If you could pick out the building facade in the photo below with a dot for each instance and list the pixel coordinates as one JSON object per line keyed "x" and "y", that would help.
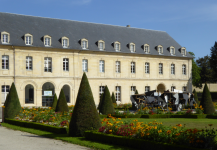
{"x": 43, "y": 55}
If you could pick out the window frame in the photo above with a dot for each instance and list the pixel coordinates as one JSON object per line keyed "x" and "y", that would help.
{"x": 102, "y": 66}
{"x": 160, "y": 66}
{"x": 29, "y": 63}
{"x": 172, "y": 50}
{"x": 117, "y": 67}
{"x": 103, "y": 45}
{"x": 132, "y": 90}
{"x": 47, "y": 69}
{"x": 2, "y": 37}
{"x": 184, "y": 88}
{"x": 63, "y": 39}
{"x": 119, "y": 47}
{"x": 148, "y": 50}
{"x": 147, "y": 87}
{"x": 65, "y": 64}
{"x": 184, "y": 69}
{"x": 147, "y": 67}
{"x": 118, "y": 93}
{"x": 30, "y": 40}
{"x": 134, "y": 47}
{"x": 47, "y": 41}
{"x": 82, "y": 43}
{"x": 183, "y": 49}
{"x": 101, "y": 90}
{"x": 133, "y": 67}
{"x": 173, "y": 69}
{"x": 5, "y": 62}
{"x": 160, "y": 51}
{"x": 172, "y": 88}
{"x": 84, "y": 65}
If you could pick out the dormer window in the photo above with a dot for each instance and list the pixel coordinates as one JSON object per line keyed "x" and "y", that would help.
{"x": 117, "y": 46}
{"x": 28, "y": 39}
{"x": 5, "y": 37}
{"x": 65, "y": 42}
{"x": 160, "y": 49}
{"x": 101, "y": 45}
{"x": 172, "y": 50}
{"x": 84, "y": 43}
{"x": 132, "y": 47}
{"x": 146, "y": 48}
{"x": 47, "y": 40}
{"x": 183, "y": 51}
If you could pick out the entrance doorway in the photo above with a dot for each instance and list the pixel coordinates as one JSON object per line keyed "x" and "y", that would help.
{"x": 48, "y": 92}
{"x": 29, "y": 94}
{"x": 161, "y": 88}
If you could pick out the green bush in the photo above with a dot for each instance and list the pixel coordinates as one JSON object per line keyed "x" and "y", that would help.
{"x": 12, "y": 104}
{"x": 39, "y": 126}
{"x": 85, "y": 116}
{"x": 113, "y": 98}
{"x": 196, "y": 97}
{"x": 107, "y": 106}
{"x": 206, "y": 101}
{"x": 54, "y": 105}
{"x": 100, "y": 101}
{"x": 62, "y": 103}
{"x": 136, "y": 92}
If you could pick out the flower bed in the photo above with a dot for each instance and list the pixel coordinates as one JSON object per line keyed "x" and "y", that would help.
{"x": 154, "y": 131}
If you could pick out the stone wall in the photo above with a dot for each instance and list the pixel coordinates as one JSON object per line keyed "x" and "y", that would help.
{"x": 212, "y": 87}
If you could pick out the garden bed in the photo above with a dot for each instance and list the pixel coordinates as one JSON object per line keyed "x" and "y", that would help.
{"x": 132, "y": 142}
{"x": 35, "y": 125}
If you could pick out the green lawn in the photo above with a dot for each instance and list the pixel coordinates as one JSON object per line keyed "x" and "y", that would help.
{"x": 189, "y": 122}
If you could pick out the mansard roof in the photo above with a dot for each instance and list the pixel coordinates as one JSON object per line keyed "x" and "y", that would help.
{"x": 19, "y": 25}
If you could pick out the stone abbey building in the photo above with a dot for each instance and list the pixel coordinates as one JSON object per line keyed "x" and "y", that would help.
{"x": 43, "y": 55}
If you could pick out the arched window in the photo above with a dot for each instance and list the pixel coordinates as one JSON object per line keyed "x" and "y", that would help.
{"x": 48, "y": 92}
{"x": 117, "y": 46}
{"x": 132, "y": 47}
{"x": 29, "y": 94}
{"x": 66, "y": 90}
{"x": 84, "y": 43}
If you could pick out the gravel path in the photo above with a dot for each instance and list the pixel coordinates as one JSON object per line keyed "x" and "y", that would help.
{"x": 17, "y": 140}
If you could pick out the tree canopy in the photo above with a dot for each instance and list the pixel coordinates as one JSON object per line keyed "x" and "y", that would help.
{"x": 213, "y": 60}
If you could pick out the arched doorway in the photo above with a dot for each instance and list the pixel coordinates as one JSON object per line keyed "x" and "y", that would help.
{"x": 48, "y": 92}
{"x": 161, "y": 88}
{"x": 29, "y": 94}
{"x": 66, "y": 90}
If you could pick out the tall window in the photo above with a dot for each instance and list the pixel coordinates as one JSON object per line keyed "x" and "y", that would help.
{"x": 172, "y": 68}
{"x": 160, "y": 50}
{"x": 172, "y": 51}
{"x": 147, "y": 67}
{"x": 184, "y": 88}
{"x": 101, "y": 46}
{"x": 47, "y": 64}
{"x": 132, "y": 48}
{"x": 28, "y": 63}
{"x": 5, "y": 91}
{"x": 147, "y": 88}
{"x": 172, "y": 88}
{"x": 47, "y": 41}
{"x": 183, "y": 52}
{"x": 5, "y": 62}
{"x": 101, "y": 66}
{"x": 65, "y": 43}
{"x": 118, "y": 67}
{"x": 101, "y": 90}
{"x": 133, "y": 90}
{"x": 84, "y": 44}
{"x": 133, "y": 67}
{"x": 65, "y": 64}
{"x": 160, "y": 68}
{"x": 146, "y": 48}
{"x": 28, "y": 40}
{"x": 85, "y": 65}
{"x": 5, "y": 38}
{"x": 118, "y": 93}
{"x": 184, "y": 69}
{"x": 117, "y": 46}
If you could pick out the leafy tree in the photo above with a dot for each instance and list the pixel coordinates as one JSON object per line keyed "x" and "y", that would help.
{"x": 195, "y": 96}
{"x": 113, "y": 98}
{"x": 196, "y": 79}
{"x": 206, "y": 101}
{"x": 107, "y": 106}
{"x": 84, "y": 116}
{"x": 12, "y": 104}
{"x": 54, "y": 105}
{"x": 136, "y": 92}
{"x": 213, "y": 60}
{"x": 206, "y": 72}
{"x": 62, "y": 103}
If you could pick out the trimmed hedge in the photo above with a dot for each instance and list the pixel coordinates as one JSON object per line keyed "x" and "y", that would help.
{"x": 35, "y": 125}
{"x": 131, "y": 142}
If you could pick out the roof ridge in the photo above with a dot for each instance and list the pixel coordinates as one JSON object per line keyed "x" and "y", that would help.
{"x": 81, "y": 21}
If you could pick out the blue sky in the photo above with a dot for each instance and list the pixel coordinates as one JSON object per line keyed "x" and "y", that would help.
{"x": 192, "y": 23}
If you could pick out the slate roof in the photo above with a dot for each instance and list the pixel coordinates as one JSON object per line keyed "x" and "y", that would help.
{"x": 19, "y": 25}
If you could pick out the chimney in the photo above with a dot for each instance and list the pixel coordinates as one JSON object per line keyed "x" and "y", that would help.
{"x": 128, "y": 26}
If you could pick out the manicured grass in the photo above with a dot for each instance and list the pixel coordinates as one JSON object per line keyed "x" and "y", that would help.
{"x": 189, "y": 122}
{"x": 64, "y": 137}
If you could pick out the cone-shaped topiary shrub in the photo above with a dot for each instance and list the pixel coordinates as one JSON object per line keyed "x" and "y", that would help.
{"x": 107, "y": 106}
{"x": 100, "y": 101}
{"x": 113, "y": 98}
{"x": 62, "y": 103}
{"x": 12, "y": 104}
{"x": 54, "y": 105}
{"x": 84, "y": 116}
{"x": 136, "y": 92}
{"x": 206, "y": 101}
{"x": 195, "y": 96}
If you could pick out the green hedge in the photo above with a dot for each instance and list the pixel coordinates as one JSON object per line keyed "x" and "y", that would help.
{"x": 131, "y": 142}
{"x": 35, "y": 125}
{"x": 127, "y": 116}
